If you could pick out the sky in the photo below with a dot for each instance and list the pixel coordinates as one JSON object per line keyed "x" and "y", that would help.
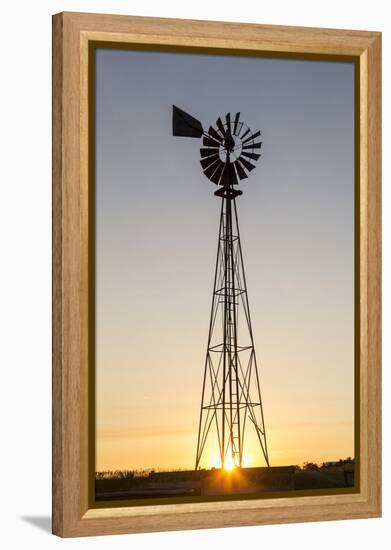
{"x": 156, "y": 235}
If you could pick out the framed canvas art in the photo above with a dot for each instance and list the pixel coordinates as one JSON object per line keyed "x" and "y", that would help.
{"x": 216, "y": 274}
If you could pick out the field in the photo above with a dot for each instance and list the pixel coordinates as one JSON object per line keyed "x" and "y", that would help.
{"x": 117, "y": 485}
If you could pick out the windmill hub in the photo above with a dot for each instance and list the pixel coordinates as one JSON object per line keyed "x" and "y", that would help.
{"x": 229, "y": 143}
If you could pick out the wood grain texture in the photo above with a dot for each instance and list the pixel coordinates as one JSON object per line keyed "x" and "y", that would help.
{"x": 222, "y": 34}
{"x": 71, "y": 35}
{"x": 373, "y": 271}
{"x": 57, "y": 370}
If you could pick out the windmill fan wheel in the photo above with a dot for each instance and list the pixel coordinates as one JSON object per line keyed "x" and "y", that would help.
{"x": 229, "y": 151}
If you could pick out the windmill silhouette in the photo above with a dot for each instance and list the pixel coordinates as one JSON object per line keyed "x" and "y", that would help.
{"x": 231, "y": 391}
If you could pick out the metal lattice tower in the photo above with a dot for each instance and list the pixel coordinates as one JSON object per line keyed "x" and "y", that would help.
{"x": 231, "y": 393}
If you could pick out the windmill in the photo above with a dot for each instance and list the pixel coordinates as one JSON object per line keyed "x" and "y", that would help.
{"x": 231, "y": 392}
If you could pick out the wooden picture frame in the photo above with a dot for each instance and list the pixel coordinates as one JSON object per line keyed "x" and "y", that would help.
{"x": 72, "y": 35}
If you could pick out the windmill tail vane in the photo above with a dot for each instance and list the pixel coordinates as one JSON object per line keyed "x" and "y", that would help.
{"x": 231, "y": 402}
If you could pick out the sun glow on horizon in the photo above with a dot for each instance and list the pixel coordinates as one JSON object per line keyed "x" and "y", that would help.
{"x": 230, "y": 463}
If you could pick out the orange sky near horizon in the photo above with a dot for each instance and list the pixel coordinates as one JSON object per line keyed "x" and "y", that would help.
{"x": 289, "y": 445}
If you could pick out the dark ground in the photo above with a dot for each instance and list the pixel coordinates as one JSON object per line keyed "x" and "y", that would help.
{"x": 138, "y": 485}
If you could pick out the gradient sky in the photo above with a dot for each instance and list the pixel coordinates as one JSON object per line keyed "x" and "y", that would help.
{"x": 156, "y": 234}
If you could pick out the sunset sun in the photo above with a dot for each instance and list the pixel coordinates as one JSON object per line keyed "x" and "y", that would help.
{"x": 229, "y": 464}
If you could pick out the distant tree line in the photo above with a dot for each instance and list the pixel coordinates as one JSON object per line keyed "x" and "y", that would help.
{"x": 313, "y": 466}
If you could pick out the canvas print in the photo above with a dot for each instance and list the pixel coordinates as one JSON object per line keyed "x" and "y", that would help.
{"x": 224, "y": 276}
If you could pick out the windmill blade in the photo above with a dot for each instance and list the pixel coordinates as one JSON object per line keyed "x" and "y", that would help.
{"x": 228, "y": 119}
{"x": 245, "y": 133}
{"x": 246, "y": 164}
{"x": 253, "y": 146}
{"x": 240, "y": 171}
{"x": 217, "y": 174}
{"x": 210, "y": 142}
{"x": 212, "y": 133}
{"x": 252, "y": 137}
{"x": 207, "y": 151}
{"x": 212, "y": 168}
{"x": 233, "y": 179}
{"x": 220, "y": 126}
{"x": 236, "y": 123}
{"x": 253, "y": 156}
{"x": 206, "y": 162}
{"x": 184, "y": 125}
{"x": 229, "y": 176}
